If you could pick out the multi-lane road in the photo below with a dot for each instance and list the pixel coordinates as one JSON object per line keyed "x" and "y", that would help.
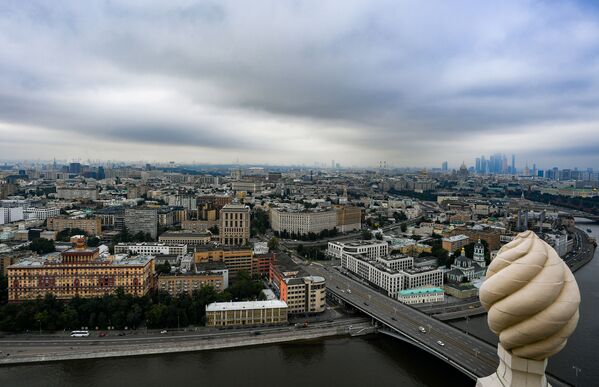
{"x": 444, "y": 341}
{"x": 473, "y": 356}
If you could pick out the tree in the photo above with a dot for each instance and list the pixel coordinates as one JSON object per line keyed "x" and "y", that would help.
{"x": 66, "y": 234}
{"x": 273, "y": 243}
{"x": 403, "y": 227}
{"x": 366, "y": 235}
{"x": 214, "y": 230}
{"x": 93, "y": 242}
{"x": 3, "y": 289}
{"x": 42, "y": 246}
{"x": 164, "y": 268}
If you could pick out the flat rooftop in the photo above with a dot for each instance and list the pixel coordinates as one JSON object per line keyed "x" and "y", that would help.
{"x": 245, "y": 305}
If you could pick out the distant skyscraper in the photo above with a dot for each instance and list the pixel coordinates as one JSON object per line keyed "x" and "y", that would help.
{"x": 75, "y": 168}
{"x": 477, "y": 168}
{"x": 513, "y": 164}
{"x": 444, "y": 166}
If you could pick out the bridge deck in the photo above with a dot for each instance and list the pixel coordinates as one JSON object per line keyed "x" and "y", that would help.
{"x": 471, "y": 355}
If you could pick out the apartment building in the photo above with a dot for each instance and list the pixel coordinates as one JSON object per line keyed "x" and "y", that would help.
{"x": 91, "y": 226}
{"x": 372, "y": 249}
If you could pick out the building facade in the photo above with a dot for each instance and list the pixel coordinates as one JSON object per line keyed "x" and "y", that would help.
{"x": 150, "y": 249}
{"x": 302, "y": 222}
{"x": 304, "y": 294}
{"x": 246, "y": 313}
{"x": 142, "y": 220}
{"x": 234, "y": 229}
{"x": 79, "y": 272}
{"x": 187, "y": 238}
{"x": 92, "y": 226}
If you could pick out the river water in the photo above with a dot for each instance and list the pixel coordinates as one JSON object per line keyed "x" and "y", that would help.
{"x": 582, "y": 350}
{"x": 367, "y": 361}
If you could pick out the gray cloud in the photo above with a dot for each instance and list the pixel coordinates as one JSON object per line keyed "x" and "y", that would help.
{"x": 355, "y": 80}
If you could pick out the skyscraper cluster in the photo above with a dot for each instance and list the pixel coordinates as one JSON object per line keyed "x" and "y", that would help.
{"x": 496, "y": 164}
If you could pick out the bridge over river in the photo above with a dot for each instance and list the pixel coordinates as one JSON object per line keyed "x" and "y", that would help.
{"x": 467, "y": 353}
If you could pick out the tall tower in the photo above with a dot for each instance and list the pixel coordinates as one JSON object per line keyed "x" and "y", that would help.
{"x": 479, "y": 254}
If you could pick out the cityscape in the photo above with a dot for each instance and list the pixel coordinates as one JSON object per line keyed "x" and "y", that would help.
{"x": 353, "y": 194}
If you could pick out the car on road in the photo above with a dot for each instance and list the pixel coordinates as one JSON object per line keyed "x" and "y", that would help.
{"x": 421, "y": 329}
{"x": 102, "y": 334}
{"x": 122, "y": 334}
{"x": 162, "y": 332}
{"x": 393, "y": 318}
{"x": 365, "y": 303}
{"x": 349, "y": 291}
{"x": 442, "y": 344}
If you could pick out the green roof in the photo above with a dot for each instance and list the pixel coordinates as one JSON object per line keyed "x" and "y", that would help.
{"x": 412, "y": 292}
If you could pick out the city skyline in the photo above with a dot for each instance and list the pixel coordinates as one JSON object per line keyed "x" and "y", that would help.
{"x": 294, "y": 83}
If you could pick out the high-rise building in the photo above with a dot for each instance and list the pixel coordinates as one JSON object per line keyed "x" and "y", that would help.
{"x": 513, "y": 164}
{"x": 142, "y": 220}
{"x": 234, "y": 224}
{"x": 75, "y": 168}
{"x": 478, "y": 165}
{"x": 444, "y": 166}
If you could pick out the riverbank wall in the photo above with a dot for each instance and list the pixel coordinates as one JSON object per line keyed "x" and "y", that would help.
{"x": 67, "y": 353}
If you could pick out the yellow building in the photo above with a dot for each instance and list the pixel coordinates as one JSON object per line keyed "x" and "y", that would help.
{"x": 236, "y": 259}
{"x": 92, "y": 226}
{"x": 79, "y": 271}
{"x": 213, "y": 275}
{"x": 246, "y": 313}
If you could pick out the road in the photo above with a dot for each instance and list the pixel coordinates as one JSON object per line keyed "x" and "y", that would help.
{"x": 582, "y": 251}
{"x": 476, "y": 356}
{"x": 27, "y": 346}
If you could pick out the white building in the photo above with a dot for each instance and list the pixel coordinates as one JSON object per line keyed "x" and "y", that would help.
{"x": 302, "y": 222}
{"x": 40, "y": 213}
{"x": 11, "y": 214}
{"x": 372, "y": 249}
{"x": 150, "y": 248}
{"x": 391, "y": 273}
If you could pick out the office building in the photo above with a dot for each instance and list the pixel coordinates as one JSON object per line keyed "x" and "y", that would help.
{"x": 77, "y": 193}
{"x": 246, "y": 313}
{"x": 185, "y": 237}
{"x": 186, "y": 281}
{"x": 150, "y": 249}
{"x": 372, "y": 249}
{"x": 143, "y": 219}
{"x": 349, "y": 218}
{"x": 302, "y": 222}
{"x": 91, "y": 226}
{"x": 234, "y": 229}
{"x": 304, "y": 294}
{"x": 79, "y": 272}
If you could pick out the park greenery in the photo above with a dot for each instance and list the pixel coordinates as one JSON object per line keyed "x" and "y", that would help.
{"x": 158, "y": 309}
{"x": 312, "y": 252}
{"x": 309, "y": 236}
{"x": 259, "y": 223}
{"x": 42, "y": 246}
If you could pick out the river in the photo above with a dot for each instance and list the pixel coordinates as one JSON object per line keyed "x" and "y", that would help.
{"x": 366, "y": 361}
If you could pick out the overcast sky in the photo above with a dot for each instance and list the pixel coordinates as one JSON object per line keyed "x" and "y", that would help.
{"x": 410, "y": 82}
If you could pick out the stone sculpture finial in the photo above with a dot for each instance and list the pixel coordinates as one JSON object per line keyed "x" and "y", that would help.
{"x": 532, "y": 300}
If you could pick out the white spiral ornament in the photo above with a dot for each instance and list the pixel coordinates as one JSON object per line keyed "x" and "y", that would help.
{"x": 532, "y": 298}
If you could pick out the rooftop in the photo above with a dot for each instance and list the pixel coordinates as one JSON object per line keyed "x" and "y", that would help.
{"x": 245, "y": 305}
